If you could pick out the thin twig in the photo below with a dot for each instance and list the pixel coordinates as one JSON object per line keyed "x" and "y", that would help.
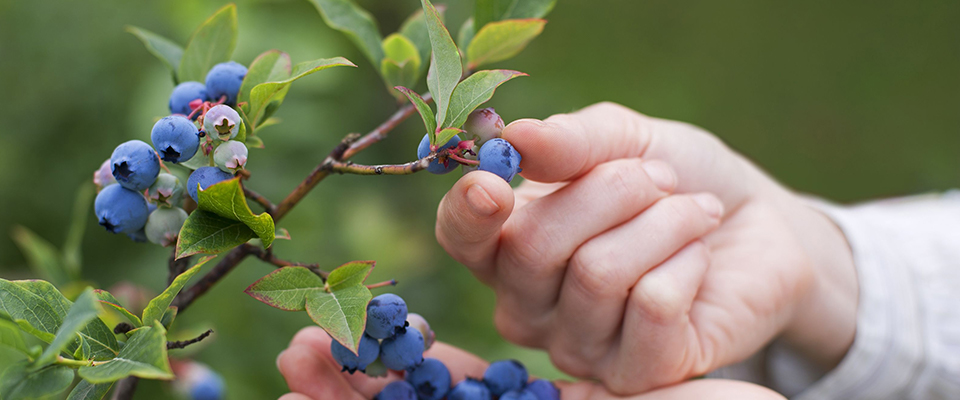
{"x": 259, "y": 199}
{"x": 226, "y": 264}
{"x": 180, "y": 344}
{"x": 175, "y": 266}
{"x": 393, "y": 169}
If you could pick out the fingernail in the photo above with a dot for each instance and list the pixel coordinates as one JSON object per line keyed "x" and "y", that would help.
{"x": 480, "y": 202}
{"x": 661, "y": 174}
{"x": 709, "y": 203}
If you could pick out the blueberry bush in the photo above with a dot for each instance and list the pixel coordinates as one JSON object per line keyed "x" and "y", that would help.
{"x": 187, "y": 188}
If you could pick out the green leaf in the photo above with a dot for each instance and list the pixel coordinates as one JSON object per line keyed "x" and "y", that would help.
{"x": 78, "y": 224}
{"x": 429, "y": 121}
{"x": 355, "y": 22}
{"x": 350, "y": 274}
{"x": 446, "y": 134}
{"x": 33, "y": 313}
{"x": 164, "y": 49}
{"x": 272, "y": 65}
{"x": 43, "y": 258}
{"x": 212, "y": 43}
{"x": 226, "y": 199}
{"x": 486, "y": 11}
{"x": 445, "y": 65}
{"x": 209, "y": 233}
{"x": 465, "y": 36}
{"x": 107, "y": 299}
{"x": 263, "y": 94}
{"x": 401, "y": 64}
{"x": 415, "y": 29}
{"x": 10, "y": 337}
{"x": 89, "y": 391}
{"x": 474, "y": 91}
{"x": 81, "y": 313}
{"x": 342, "y": 313}
{"x": 144, "y": 356}
{"x": 19, "y": 381}
{"x": 286, "y": 288}
{"x": 255, "y": 141}
{"x": 168, "y": 316}
{"x": 158, "y": 305}
{"x": 499, "y": 41}
{"x": 399, "y": 48}
{"x": 395, "y": 74}
{"x": 530, "y": 9}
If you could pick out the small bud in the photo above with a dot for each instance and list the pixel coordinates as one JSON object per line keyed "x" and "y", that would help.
{"x": 166, "y": 191}
{"x": 222, "y": 122}
{"x": 103, "y": 176}
{"x": 483, "y": 124}
{"x": 230, "y": 156}
{"x": 163, "y": 225}
{"x": 416, "y": 321}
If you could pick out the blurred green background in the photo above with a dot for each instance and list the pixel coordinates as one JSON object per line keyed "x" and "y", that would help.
{"x": 847, "y": 100}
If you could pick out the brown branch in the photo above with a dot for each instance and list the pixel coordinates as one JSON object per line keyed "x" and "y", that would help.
{"x": 175, "y": 266}
{"x": 268, "y": 257}
{"x": 180, "y": 344}
{"x": 226, "y": 264}
{"x": 259, "y": 199}
{"x": 394, "y": 169}
{"x": 125, "y": 388}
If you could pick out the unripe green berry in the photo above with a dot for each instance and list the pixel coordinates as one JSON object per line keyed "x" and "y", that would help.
{"x": 230, "y": 156}
{"x": 166, "y": 191}
{"x": 163, "y": 225}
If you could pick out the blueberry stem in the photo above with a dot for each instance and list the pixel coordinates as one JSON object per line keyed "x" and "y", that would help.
{"x": 392, "y": 282}
{"x": 462, "y": 160}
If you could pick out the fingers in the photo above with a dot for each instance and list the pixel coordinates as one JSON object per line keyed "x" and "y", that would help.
{"x": 469, "y": 219}
{"x": 603, "y": 270}
{"x": 461, "y": 363}
{"x": 538, "y": 239}
{"x": 313, "y": 374}
{"x": 701, "y": 389}
{"x": 294, "y": 396}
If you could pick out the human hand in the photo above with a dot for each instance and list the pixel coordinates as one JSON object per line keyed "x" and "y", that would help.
{"x": 312, "y": 374}
{"x": 641, "y": 252}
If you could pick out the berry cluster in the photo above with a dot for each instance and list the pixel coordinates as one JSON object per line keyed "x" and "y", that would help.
{"x": 139, "y": 200}
{"x": 388, "y": 336}
{"x": 492, "y": 154}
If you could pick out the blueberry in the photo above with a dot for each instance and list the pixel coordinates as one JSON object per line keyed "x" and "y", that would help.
{"x": 470, "y": 389}
{"x": 204, "y": 177}
{"x": 224, "y": 79}
{"x": 230, "y": 156}
{"x": 419, "y": 323}
{"x": 163, "y": 225}
{"x": 134, "y": 165}
{"x": 543, "y": 389}
{"x": 184, "y": 94}
{"x": 369, "y": 349}
{"x": 437, "y": 167}
{"x": 103, "y": 176}
{"x": 222, "y": 122}
{"x": 397, "y": 390}
{"x": 402, "y": 351}
{"x": 518, "y": 395}
{"x": 504, "y": 376}
{"x": 138, "y": 236}
{"x": 483, "y": 125}
{"x": 208, "y": 387}
{"x": 121, "y": 210}
{"x": 166, "y": 190}
{"x": 431, "y": 379}
{"x": 499, "y": 157}
{"x": 386, "y": 316}
{"x": 175, "y": 138}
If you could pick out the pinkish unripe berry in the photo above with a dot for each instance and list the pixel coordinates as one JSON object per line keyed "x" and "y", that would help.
{"x": 482, "y": 125}
{"x": 165, "y": 191}
{"x": 103, "y": 176}
{"x": 230, "y": 156}
{"x": 222, "y": 122}
{"x": 416, "y": 321}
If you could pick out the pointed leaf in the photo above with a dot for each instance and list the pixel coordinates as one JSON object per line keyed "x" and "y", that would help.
{"x": 401, "y": 63}
{"x": 415, "y": 29}
{"x": 108, "y": 300}
{"x": 263, "y": 94}
{"x": 286, "y": 288}
{"x": 78, "y": 224}
{"x": 19, "y": 381}
{"x": 446, "y": 134}
{"x": 445, "y": 65}
{"x": 89, "y": 391}
{"x": 168, "y": 316}
{"x": 429, "y": 120}
{"x": 144, "y": 356}
{"x": 350, "y": 274}
{"x": 207, "y": 233}
{"x": 43, "y": 258}
{"x": 474, "y": 91}
{"x": 226, "y": 199}
{"x": 341, "y": 313}
{"x": 355, "y": 22}
{"x": 272, "y": 65}
{"x": 158, "y": 305}
{"x": 487, "y": 11}
{"x": 33, "y": 313}
{"x": 499, "y": 41}
{"x": 83, "y": 311}
{"x": 212, "y": 43}
{"x": 164, "y": 49}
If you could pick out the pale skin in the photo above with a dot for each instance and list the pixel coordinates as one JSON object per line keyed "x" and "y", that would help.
{"x": 638, "y": 253}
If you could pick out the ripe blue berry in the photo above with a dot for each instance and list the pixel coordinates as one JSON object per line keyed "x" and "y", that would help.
{"x": 402, "y": 351}
{"x": 483, "y": 125}
{"x": 518, "y": 395}
{"x": 397, "y": 390}
{"x": 166, "y": 190}
{"x": 134, "y": 165}
{"x": 499, "y": 157}
{"x": 437, "y": 167}
{"x": 470, "y": 389}
{"x": 386, "y": 316}
{"x": 431, "y": 379}
{"x": 543, "y": 389}
{"x": 204, "y": 177}
{"x": 504, "y": 376}
{"x": 230, "y": 156}
{"x": 224, "y": 79}
{"x": 163, "y": 225}
{"x": 175, "y": 138}
{"x": 103, "y": 176}
{"x": 185, "y": 93}
{"x": 210, "y": 387}
{"x": 121, "y": 210}
{"x": 369, "y": 349}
